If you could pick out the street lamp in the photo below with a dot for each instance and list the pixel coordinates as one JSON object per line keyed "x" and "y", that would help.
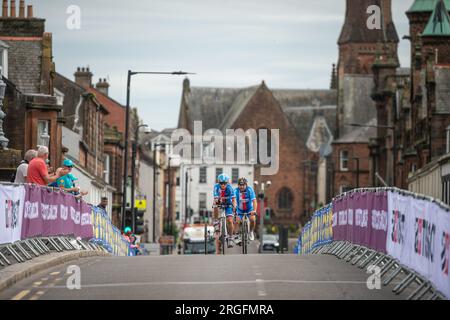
{"x": 261, "y": 196}
{"x": 154, "y": 188}
{"x": 133, "y": 171}
{"x": 127, "y": 125}
{"x": 3, "y": 140}
{"x": 394, "y": 144}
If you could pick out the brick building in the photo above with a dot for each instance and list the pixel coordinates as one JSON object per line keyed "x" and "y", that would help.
{"x": 33, "y": 116}
{"x": 305, "y": 119}
{"x": 416, "y": 105}
{"x": 357, "y": 113}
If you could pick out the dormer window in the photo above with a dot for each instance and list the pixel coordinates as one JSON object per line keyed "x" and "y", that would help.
{"x": 4, "y": 59}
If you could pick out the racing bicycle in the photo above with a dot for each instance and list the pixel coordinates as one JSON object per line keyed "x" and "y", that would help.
{"x": 223, "y": 238}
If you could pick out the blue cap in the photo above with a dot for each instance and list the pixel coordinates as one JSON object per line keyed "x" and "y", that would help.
{"x": 68, "y": 163}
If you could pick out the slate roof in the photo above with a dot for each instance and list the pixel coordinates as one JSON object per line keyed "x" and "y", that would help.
{"x": 24, "y": 64}
{"x": 360, "y": 134}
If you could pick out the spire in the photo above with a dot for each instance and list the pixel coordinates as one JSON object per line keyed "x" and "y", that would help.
{"x": 333, "y": 84}
{"x": 425, "y": 6}
{"x": 439, "y": 23}
{"x": 355, "y": 26}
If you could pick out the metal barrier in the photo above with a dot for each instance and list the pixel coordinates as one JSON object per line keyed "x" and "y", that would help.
{"x": 28, "y": 249}
{"x": 390, "y": 269}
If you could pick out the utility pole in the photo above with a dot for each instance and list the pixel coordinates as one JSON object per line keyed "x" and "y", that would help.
{"x": 357, "y": 172}
{"x": 261, "y": 197}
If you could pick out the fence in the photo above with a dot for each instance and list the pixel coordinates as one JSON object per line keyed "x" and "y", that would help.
{"x": 49, "y": 218}
{"x": 391, "y": 228}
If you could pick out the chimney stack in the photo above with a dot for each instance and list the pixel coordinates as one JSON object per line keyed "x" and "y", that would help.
{"x": 13, "y": 9}
{"x": 5, "y": 9}
{"x": 83, "y": 77}
{"x": 22, "y": 9}
{"x": 30, "y": 12}
{"x": 102, "y": 86}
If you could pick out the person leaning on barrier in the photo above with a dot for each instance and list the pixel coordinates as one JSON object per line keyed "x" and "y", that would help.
{"x": 103, "y": 204}
{"x": 38, "y": 172}
{"x": 22, "y": 169}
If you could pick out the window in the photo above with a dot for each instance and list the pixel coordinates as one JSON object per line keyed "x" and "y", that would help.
{"x": 235, "y": 175}
{"x": 448, "y": 140}
{"x": 203, "y": 176}
{"x": 343, "y": 160}
{"x": 285, "y": 199}
{"x": 219, "y": 171}
{"x": 4, "y": 59}
{"x": 202, "y": 201}
{"x": 107, "y": 169}
{"x": 43, "y": 134}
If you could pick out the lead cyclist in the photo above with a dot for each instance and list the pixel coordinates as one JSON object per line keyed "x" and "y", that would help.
{"x": 224, "y": 195}
{"x": 246, "y": 203}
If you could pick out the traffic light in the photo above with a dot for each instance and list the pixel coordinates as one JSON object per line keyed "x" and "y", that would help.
{"x": 128, "y": 218}
{"x": 267, "y": 213}
{"x": 139, "y": 222}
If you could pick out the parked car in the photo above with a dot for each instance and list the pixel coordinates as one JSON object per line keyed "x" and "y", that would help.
{"x": 270, "y": 243}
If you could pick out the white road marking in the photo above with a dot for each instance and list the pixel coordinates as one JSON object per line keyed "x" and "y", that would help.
{"x": 260, "y": 287}
{"x": 207, "y": 283}
{"x": 55, "y": 273}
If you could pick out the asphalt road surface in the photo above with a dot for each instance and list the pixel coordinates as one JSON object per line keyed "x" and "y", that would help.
{"x": 229, "y": 277}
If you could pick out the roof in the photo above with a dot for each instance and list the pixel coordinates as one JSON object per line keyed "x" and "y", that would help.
{"x": 426, "y": 5}
{"x": 360, "y": 134}
{"x": 24, "y": 64}
{"x": 439, "y": 23}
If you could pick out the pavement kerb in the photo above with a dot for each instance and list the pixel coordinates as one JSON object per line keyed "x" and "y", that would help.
{"x": 17, "y": 272}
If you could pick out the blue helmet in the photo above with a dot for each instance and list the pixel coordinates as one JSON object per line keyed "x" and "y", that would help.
{"x": 223, "y": 178}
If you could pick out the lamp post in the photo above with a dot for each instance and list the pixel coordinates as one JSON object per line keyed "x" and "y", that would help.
{"x": 154, "y": 190}
{"x": 169, "y": 211}
{"x": 394, "y": 144}
{"x": 3, "y": 140}
{"x": 261, "y": 197}
{"x": 127, "y": 126}
{"x": 133, "y": 172}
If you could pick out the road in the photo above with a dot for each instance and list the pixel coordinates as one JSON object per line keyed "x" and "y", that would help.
{"x": 228, "y": 277}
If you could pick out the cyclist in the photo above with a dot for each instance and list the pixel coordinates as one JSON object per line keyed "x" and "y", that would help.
{"x": 246, "y": 203}
{"x": 224, "y": 195}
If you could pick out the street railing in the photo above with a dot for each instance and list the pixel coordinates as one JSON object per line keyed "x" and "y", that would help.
{"x": 36, "y": 220}
{"x": 393, "y": 229}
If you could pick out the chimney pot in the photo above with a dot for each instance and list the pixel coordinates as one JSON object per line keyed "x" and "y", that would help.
{"x": 30, "y": 12}
{"x": 22, "y": 9}
{"x": 13, "y": 9}
{"x": 5, "y": 9}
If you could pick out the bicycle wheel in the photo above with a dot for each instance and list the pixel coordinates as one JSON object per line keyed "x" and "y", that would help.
{"x": 222, "y": 235}
{"x": 244, "y": 236}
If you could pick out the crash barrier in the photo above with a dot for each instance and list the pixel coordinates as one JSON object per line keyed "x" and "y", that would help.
{"x": 395, "y": 229}
{"x": 35, "y": 212}
{"x": 318, "y": 231}
{"x": 108, "y": 235}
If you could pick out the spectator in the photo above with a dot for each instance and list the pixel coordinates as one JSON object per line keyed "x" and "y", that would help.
{"x": 104, "y": 203}
{"x": 67, "y": 182}
{"x": 22, "y": 169}
{"x": 38, "y": 172}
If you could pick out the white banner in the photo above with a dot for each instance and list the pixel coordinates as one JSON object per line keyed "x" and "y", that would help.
{"x": 418, "y": 236}
{"x": 11, "y": 208}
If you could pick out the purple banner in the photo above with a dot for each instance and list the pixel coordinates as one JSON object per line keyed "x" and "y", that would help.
{"x": 53, "y": 213}
{"x": 361, "y": 218}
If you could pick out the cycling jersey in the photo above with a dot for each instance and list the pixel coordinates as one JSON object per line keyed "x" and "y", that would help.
{"x": 245, "y": 200}
{"x": 225, "y": 197}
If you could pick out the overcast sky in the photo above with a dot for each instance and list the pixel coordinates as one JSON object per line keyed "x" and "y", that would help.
{"x": 228, "y": 43}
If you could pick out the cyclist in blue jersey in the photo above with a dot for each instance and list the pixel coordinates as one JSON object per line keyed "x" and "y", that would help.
{"x": 246, "y": 203}
{"x": 224, "y": 195}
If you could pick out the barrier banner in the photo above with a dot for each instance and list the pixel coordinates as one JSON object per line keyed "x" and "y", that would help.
{"x": 107, "y": 235}
{"x": 11, "y": 207}
{"x": 419, "y": 237}
{"x": 361, "y": 218}
{"x": 318, "y": 231}
{"x": 53, "y": 213}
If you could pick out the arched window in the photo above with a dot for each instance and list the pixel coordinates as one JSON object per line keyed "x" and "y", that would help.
{"x": 285, "y": 199}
